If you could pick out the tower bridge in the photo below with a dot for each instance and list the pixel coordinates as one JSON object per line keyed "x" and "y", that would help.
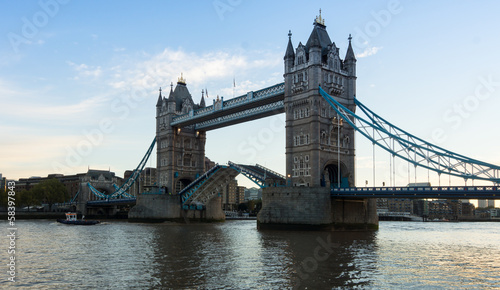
{"x": 320, "y": 150}
{"x": 318, "y": 188}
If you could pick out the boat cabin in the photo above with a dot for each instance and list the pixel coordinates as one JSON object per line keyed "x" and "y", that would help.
{"x": 71, "y": 216}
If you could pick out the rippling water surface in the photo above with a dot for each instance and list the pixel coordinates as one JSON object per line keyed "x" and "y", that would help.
{"x": 235, "y": 255}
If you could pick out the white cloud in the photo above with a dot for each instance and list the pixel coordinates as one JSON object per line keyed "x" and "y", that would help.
{"x": 213, "y": 69}
{"x": 85, "y": 70}
{"x": 369, "y": 51}
{"x": 38, "y": 109}
{"x": 120, "y": 81}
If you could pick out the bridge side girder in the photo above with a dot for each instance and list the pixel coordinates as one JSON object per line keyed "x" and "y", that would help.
{"x": 242, "y": 116}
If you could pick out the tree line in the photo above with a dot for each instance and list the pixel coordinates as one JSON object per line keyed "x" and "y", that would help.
{"x": 49, "y": 191}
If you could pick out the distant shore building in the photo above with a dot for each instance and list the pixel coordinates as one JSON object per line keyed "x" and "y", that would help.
{"x": 147, "y": 181}
{"x": 253, "y": 193}
{"x": 73, "y": 183}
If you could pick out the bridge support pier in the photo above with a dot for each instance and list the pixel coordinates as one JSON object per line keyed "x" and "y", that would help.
{"x": 312, "y": 208}
{"x": 164, "y": 207}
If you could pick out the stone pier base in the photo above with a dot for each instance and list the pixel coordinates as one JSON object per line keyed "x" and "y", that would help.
{"x": 163, "y": 207}
{"x": 312, "y": 208}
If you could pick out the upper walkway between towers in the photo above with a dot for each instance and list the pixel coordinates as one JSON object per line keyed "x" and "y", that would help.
{"x": 253, "y": 105}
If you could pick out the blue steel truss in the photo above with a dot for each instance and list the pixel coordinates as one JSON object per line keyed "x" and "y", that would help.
{"x": 253, "y": 105}
{"x": 189, "y": 190}
{"x": 99, "y": 194}
{"x": 123, "y": 194}
{"x": 74, "y": 197}
{"x": 255, "y": 177}
{"x": 411, "y": 148}
{"x": 122, "y": 191}
{"x": 130, "y": 181}
{"x": 242, "y": 116}
{"x": 257, "y": 174}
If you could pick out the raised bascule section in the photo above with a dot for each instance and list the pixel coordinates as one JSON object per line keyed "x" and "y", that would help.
{"x": 200, "y": 191}
{"x": 318, "y": 97}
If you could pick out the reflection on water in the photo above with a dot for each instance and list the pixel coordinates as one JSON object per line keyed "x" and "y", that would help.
{"x": 234, "y": 254}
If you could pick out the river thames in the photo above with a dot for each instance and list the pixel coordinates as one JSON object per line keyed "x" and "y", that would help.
{"x": 235, "y": 255}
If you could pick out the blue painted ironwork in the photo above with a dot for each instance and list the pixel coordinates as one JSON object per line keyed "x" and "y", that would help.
{"x": 192, "y": 198}
{"x": 131, "y": 180}
{"x": 112, "y": 201}
{"x": 153, "y": 192}
{"x": 448, "y": 192}
{"x": 257, "y": 174}
{"x": 189, "y": 190}
{"x": 97, "y": 192}
{"x": 255, "y": 177}
{"x": 411, "y": 148}
{"x": 242, "y": 116}
{"x": 253, "y": 105}
{"x": 74, "y": 197}
{"x": 122, "y": 191}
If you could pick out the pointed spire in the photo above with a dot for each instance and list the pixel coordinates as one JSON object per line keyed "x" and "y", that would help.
{"x": 202, "y": 102}
{"x": 350, "y": 52}
{"x": 171, "y": 95}
{"x": 160, "y": 100}
{"x": 319, "y": 37}
{"x": 290, "y": 53}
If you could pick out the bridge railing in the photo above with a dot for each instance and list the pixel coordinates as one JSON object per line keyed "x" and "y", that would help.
{"x": 271, "y": 171}
{"x": 490, "y": 192}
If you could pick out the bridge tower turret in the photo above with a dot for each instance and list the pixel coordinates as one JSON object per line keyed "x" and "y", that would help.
{"x": 180, "y": 151}
{"x": 319, "y": 147}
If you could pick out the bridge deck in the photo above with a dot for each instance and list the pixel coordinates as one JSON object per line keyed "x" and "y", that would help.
{"x": 445, "y": 192}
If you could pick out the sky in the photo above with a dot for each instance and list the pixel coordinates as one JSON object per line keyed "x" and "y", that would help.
{"x": 79, "y": 80}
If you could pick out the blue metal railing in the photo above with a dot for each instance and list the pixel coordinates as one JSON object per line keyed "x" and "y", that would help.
{"x": 455, "y": 192}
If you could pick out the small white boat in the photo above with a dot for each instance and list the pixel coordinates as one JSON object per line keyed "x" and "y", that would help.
{"x": 71, "y": 219}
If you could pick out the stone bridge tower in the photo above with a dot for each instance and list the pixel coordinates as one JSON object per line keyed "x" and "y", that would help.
{"x": 180, "y": 154}
{"x": 180, "y": 151}
{"x": 319, "y": 147}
